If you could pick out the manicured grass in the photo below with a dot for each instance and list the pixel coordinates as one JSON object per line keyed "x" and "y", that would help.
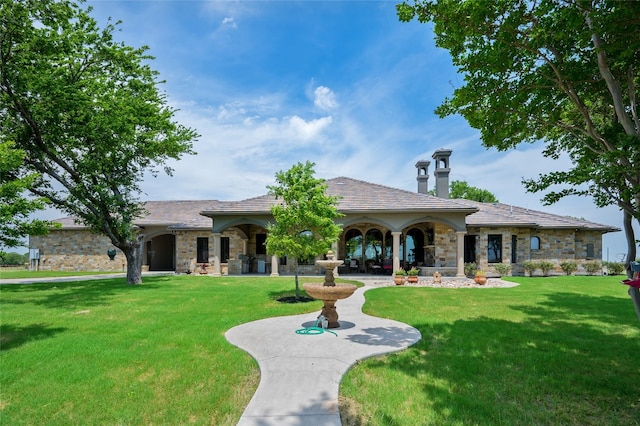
{"x": 8, "y": 274}
{"x": 551, "y": 351}
{"x": 560, "y": 350}
{"x": 102, "y": 352}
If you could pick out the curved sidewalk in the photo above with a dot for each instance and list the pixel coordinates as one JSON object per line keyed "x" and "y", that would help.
{"x": 300, "y": 374}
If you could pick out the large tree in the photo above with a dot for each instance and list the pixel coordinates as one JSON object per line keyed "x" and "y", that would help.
{"x": 88, "y": 113}
{"x": 565, "y": 72}
{"x": 304, "y": 216}
{"x": 16, "y": 207}
{"x": 461, "y": 189}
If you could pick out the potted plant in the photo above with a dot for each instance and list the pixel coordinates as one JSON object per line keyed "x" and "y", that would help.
{"x": 399, "y": 276}
{"x": 480, "y": 277}
{"x": 413, "y": 275}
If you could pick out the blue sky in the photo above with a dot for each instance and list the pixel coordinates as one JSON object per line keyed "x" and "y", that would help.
{"x": 343, "y": 84}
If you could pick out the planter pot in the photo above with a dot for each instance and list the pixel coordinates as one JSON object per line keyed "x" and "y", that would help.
{"x": 480, "y": 280}
{"x": 412, "y": 278}
{"x": 398, "y": 279}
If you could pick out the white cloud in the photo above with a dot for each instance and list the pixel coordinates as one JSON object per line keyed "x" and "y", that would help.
{"x": 229, "y": 22}
{"x": 307, "y": 130}
{"x": 325, "y": 99}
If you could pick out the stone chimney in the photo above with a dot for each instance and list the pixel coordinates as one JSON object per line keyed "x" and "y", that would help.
{"x": 423, "y": 176}
{"x": 441, "y": 156}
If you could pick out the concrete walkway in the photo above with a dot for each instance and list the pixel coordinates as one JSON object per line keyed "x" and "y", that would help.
{"x": 74, "y": 278}
{"x": 300, "y": 374}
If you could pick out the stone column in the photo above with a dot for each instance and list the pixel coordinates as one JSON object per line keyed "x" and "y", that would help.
{"x": 274, "y": 266}
{"x": 460, "y": 253}
{"x": 396, "y": 250}
{"x": 334, "y": 248}
{"x": 216, "y": 254}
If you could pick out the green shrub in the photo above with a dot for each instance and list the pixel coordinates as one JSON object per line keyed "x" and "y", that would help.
{"x": 592, "y": 267}
{"x": 569, "y": 267}
{"x": 615, "y": 268}
{"x": 545, "y": 267}
{"x": 470, "y": 269}
{"x": 413, "y": 271}
{"x": 530, "y": 267}
{"x": 502, "y": 268}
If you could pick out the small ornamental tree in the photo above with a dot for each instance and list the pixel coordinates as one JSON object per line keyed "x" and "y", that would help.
{"x": 304, "y": 216}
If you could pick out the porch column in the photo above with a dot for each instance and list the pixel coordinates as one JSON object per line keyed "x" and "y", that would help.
{"x": 216, "y": 254}
{"x": 396, "y": 250}
{"x": 274, "y": 266}
{"x": 334, "y": 249}
{"x": 460, "y": 253}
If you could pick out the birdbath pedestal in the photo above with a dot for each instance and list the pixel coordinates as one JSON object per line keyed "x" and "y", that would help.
{"x": 329, "y": 292}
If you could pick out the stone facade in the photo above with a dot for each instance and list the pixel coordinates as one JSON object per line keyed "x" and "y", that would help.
{"x": 556, "y": 246}
{"x": 76, "y": 250}
{"x": 80, "y": 250}
{"x": 445, "y": 240}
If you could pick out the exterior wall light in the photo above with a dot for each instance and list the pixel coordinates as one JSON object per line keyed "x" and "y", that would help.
{"x": 111, "y": 253}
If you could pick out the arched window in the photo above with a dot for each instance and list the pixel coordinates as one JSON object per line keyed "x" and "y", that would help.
{"x": 353, "y": 245}
{"x": 373, "y": 246}
{"x": 535, "y": 243}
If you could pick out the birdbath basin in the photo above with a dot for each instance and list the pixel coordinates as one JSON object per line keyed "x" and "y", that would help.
{"x": 329, "y": 292}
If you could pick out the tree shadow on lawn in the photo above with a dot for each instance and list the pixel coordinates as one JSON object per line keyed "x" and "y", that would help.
{"x": 559, "y": 365}
{"x": 12, "y": 336}
{"x": 74, "y": 293}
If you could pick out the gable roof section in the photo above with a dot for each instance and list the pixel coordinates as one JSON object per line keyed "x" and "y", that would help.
{"x": 355, "y": 196}
{"x": 498, "y": 214}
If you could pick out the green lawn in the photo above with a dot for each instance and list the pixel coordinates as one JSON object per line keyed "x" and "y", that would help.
{"x": 551, "y": 351}
{"x": 102, "y": 352}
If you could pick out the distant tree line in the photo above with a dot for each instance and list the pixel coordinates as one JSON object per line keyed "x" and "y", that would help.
{"x": 13, "y": 258}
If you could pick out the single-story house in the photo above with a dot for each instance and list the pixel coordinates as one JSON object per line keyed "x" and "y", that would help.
{"x": 384, "y": 229}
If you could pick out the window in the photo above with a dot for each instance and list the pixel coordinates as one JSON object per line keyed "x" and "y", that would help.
{"x": 224, "y": 249}
{"x": 202, "y": 244}
{"x": 589, "y": 251}
{"x": 494, "y": 248}
{"x": 260, "y": 240}
{"x": 514, "y": 249}
{"x": 535, "y": 243}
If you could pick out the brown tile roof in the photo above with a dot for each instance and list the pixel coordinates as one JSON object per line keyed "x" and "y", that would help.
{"x": 498, "y": 214}
{"x": 357, "y": 196}
{"x": 173, "y": 214}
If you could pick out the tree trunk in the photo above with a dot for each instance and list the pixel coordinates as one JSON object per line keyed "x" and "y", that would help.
{"x": 296, "y": 275}
{"x": 631, "y": 241}
{"x": 133, "y": 253}
{"x": 631, "y": 256}
{"x": 634, "y": 292}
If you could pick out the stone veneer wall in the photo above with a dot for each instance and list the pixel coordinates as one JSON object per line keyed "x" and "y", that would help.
{"x": 76, "y": 250}
{"x": 556, "y": 246}
{"x": 446, "y": 245}
{"x": 81, "y": 250}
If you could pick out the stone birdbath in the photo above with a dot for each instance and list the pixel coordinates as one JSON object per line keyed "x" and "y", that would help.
{"x": 329, "y": 292}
